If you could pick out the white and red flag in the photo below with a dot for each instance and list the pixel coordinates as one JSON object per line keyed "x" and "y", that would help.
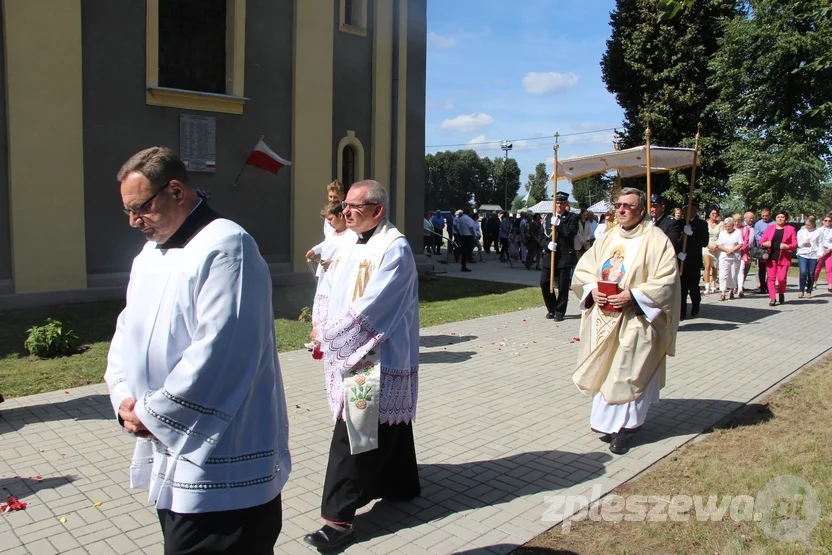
{"x": 265, "y": 158}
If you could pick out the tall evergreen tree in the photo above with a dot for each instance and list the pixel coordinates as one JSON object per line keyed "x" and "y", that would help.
{"x": 659, "y": 73}
{"x": 773, "y": 71}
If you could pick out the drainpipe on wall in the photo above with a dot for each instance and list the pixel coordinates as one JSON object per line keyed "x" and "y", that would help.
{"x": 394, "y": 127}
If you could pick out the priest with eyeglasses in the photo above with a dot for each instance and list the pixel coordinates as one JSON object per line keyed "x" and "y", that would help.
{"x": 369, "y": 339}
{"x": 193, "y": 371}
{"x": 628, "y": 283}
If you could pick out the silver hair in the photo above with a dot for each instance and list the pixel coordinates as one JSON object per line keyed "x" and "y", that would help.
{"x": 376, "y": 194}
{"x": 642, "y": 196}
{"x": 728, "y": 220}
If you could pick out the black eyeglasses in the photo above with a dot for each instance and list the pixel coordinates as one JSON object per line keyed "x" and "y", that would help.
{"x": 143, "y": 207}
{"x": 353, "y": 206}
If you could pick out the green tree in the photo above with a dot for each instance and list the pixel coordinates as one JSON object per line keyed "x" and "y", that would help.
{"x": 506, "y": 181}
{"x": 536, "y": 184}
{"x": 773, "y": 75}
{"x": 454, "y": 179}
{"x": 659, "y": 73}
{"x": 518, "y": 203}
{"x": 589, "y": 190}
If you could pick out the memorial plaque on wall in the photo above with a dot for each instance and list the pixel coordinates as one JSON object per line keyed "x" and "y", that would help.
{"x": 198, "y": 142}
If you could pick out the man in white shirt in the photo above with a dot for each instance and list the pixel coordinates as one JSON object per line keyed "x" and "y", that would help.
{"x": 193, "y": 371}
{"x": 467, "y": 232}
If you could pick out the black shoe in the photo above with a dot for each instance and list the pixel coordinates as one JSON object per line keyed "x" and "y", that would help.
{"x": 550, "y": 315}
{"x": 683, "y": 317}
{"x": 620, "y": 443}
{"x": 466, "y": 269}
{"x": 606, "y": 438}
{"x": 330, "y": 538}
{"x": 772, "y": 302}
{"x": 558, "y": 317}
{"x": 694, "y": 310}
{"x": 782, "y": 298}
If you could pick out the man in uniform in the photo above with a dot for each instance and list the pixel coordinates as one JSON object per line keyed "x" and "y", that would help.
{"x": 566, "y": 224}
{"x": 661, "y": 219}
{"x": 691, "y": 262}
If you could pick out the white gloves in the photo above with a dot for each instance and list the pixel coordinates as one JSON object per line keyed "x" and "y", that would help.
{"x": 688, "y": 231}
{"x": 556, "y": 221}
{"x": 552, "y": 246}
{"x": 681, "y": 256}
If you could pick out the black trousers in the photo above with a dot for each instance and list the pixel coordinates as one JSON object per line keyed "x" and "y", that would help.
{"x": 253, "y": 530}
{"x": 504, "y": 248}
{"x": 549, "y": 299}
{"x": 467, "y": 248}
{"x": 437, "y": 240}
{"x": 690, "y": 288}
{"x": 556, "y": 303}
{"x": 389, "y": 472}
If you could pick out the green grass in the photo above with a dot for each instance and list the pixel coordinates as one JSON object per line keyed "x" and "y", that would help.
{"x": 442, "y": 301}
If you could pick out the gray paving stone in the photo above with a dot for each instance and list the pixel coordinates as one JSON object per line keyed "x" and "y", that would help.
{"x": 487, "y": 459}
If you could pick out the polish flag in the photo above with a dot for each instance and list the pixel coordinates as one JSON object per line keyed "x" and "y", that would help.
{"x": 264, "y": 158}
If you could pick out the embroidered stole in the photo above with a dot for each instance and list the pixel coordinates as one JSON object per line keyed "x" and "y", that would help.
{"x": 362, "y": 384}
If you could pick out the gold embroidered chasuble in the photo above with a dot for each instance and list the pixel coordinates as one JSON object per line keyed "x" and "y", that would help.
{"x": 620, "y": 352}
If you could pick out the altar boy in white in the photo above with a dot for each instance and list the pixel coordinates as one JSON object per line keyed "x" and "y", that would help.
{"x": 193, "y": 369}
{"x": 369, "y": 336}
{"x": 626, "y": 336}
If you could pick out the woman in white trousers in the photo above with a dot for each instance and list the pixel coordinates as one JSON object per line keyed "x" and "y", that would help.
{"x": 729, "y": 244}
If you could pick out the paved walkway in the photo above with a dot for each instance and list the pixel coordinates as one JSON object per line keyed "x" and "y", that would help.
{"x": 500, "y": 427}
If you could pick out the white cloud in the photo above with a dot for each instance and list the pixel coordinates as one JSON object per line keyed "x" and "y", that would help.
{"x": 440, "y": 41}
{"x": 468, "y": 123}
{"x": 540, "y": 83}
{"x": 476, "y": 140}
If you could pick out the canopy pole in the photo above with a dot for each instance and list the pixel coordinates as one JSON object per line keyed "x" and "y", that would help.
{"x": 554, "y": 215}
{"x": 690, "y": 193}
{"x": 649, "y": 187}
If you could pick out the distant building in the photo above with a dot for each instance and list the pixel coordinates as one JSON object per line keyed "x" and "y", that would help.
{"x": 335, "y": 86}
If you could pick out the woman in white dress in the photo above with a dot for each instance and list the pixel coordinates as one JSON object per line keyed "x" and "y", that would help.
{"x": 729, "y": 244}
{"x": 710, "y": 253}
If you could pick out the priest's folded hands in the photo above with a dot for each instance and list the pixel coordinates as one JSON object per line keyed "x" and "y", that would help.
{"x": 619, "y": 300}
{"x": 131, "y": 422}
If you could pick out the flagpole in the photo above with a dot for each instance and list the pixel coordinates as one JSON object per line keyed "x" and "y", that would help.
{"x": 234, "y": 183}
{"x": 554, "y": 214}
{"x": 690, "y": 194}
{"x": 649, "y": 189}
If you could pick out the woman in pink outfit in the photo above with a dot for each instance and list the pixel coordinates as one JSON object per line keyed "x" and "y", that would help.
{"x": 781, "y": 241}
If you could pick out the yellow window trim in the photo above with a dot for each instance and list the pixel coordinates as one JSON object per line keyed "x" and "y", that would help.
{"x": 351, "y": 140}
{"x": 192, "y": 100}
{"x": 235, "y": 47}
{"x": 361, "y": 29}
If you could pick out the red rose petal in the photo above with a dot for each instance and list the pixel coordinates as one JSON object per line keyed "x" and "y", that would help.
{"x": 12, "y": 504}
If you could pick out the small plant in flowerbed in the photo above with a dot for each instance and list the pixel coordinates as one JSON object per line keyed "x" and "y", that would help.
{"x": 51, "y": 340}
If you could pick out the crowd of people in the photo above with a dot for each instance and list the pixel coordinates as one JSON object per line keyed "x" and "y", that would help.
{"x": 193, "y": 370}
{"x": 730, "y": 244}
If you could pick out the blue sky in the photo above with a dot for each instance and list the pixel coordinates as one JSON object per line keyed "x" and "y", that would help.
{"x": 514, "y": 70}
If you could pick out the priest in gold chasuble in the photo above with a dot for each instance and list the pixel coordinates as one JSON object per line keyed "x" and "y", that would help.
{"x": 628, "y": 283}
